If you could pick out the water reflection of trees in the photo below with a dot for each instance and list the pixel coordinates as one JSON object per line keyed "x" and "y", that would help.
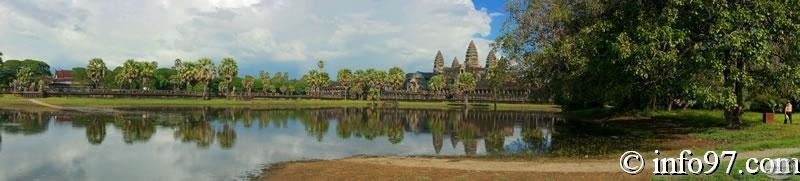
{"x": 26, "y": 123}
{"x": 500, "y": 132}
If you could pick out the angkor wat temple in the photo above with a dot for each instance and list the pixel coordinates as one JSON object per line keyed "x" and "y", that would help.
{"x": 471, "y": 64}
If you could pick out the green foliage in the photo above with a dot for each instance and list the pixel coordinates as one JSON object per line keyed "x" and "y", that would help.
{"x": 95, "y": 71}
{"x": 395, "y": 78}
{"x": 317, "y": 78}
{"x": 228, "y": 70}
{"x": 80, "y": 76}
{"x": 164, "y": 78}
{"x": 465, "y": 82}
{"x": 634, "y": 54}
{"x": 134, "y": 74}
{"x": 265, "y": 81}
{"x": 248, "y": 83}
{"x": 437, "y": 83}
{"x": 10, "y": 68}
{"x": 205, "y": 72}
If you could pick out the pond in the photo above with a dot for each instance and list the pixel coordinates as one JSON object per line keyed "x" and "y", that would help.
{"x": 228, "y": 143}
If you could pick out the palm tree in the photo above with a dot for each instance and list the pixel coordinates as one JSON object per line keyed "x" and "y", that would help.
{"x": 248, "y": 83}
{"x": 317, "y": 78}
{"x": 147, "y": 72}
{"x": 227, "y": 71}
{"x": 24, "y": 78}
{"x": 345, "y": 78}
{"x": 395, "y": 78}
{"x": 130, "y": 72}
{"x": 465, "y": 83}
{"x": 96, "y": 71}
{"x": 187, "y": 73}
{"x": 437, "y": 83}
{"x": 206, "y": 71}
{"x": 320, "y": 64}
{"x": 264, "y": 80}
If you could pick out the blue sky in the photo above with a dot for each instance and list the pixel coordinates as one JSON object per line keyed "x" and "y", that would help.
{"x": 271, "y": 35}
{"x": 493, "y": 6}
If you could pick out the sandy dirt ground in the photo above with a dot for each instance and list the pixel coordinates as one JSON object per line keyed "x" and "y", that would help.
{"x": 412, "y": 168}
{"x": 422, "y": 168}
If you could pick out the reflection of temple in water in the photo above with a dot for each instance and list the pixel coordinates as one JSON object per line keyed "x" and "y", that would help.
{"x": 476, "y": 131}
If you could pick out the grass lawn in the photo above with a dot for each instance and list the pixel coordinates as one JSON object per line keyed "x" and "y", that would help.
{"x": 267, "y": 103}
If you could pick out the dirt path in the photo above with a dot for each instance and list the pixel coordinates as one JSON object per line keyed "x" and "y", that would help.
{"x": 78, "y": 109}
{"x": 37, "y": 102}
{"x": 415, "y": 168}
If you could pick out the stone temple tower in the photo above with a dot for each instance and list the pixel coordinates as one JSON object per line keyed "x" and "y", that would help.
{"x": 455, "y": 64}
{"x": 472, "y": 56}
{"x": 438, "y": 63}
{"x": 491, "y": 60}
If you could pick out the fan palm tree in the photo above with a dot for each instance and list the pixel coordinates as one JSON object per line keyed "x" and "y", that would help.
{"x": 465, "y": 83}
{"x": 147, "y": 72}
{"x": 96, "y": 71}
{"x": 437, "y": 83}
{"x": 130, "y": 72}
{"x": 206, "y": 71}
{"x": 227, "y": 71}
{"x": 187, "y": 73}
{"x": 24, "y": 78}
{"x": 345, "y": 78}
{"x": 264, "y": 76}
{"x": 248, "y": 83}
{"x": 395, "y": 78}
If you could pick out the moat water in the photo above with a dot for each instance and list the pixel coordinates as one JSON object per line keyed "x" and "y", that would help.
{"x": 229, "y": 143}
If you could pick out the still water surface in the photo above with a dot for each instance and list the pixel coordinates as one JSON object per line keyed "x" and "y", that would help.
{"x": 217, "y": 143}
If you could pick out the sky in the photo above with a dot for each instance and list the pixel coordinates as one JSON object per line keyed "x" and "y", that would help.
{"x": 270, "y": 35}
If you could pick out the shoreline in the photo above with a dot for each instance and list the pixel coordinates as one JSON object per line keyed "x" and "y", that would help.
{"x": 266, "y": 103}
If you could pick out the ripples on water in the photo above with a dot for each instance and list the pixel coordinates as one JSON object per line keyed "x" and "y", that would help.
{"x": 216, "y": 143}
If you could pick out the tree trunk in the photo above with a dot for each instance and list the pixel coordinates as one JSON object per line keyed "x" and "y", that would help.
{"x": 494, "y": 98}
{"x": 466, "y": 101}
{"x": 734, "y": 115}
{"x": 205, "y": 90}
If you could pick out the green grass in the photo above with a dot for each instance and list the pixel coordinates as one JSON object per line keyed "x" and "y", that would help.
{"x": 753, "y": 135}
{"x": 720, "y": 174}
{"x": 266, "y": 103}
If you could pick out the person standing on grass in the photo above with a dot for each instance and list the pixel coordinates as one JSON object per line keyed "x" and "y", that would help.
{"x": 787, "y": 111}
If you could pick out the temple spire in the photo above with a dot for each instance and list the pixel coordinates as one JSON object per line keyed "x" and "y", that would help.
{"x": 472, "y": 56}
{"x": 438, "y": 63}
{"x": 455, "y": 63}
{"x": 491, "y": 59}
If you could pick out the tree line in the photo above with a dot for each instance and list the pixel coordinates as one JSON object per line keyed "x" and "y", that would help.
{"x": 727, "y": 54}
{"x": 203, "y": 75}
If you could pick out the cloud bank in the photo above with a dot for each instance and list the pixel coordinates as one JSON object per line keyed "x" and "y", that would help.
{"x": 272, "y": 35}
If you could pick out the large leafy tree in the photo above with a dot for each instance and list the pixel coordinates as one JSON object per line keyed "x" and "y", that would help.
{"x": 96, "y": 70}
{"x": 634, "y": 54}
{"x": 228, "y": 70}
{"x": 9, "y": 69}
{"x": 499, "y": 76}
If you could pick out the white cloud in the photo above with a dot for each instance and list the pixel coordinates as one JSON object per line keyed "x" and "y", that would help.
{"x": 264, "y": 33}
